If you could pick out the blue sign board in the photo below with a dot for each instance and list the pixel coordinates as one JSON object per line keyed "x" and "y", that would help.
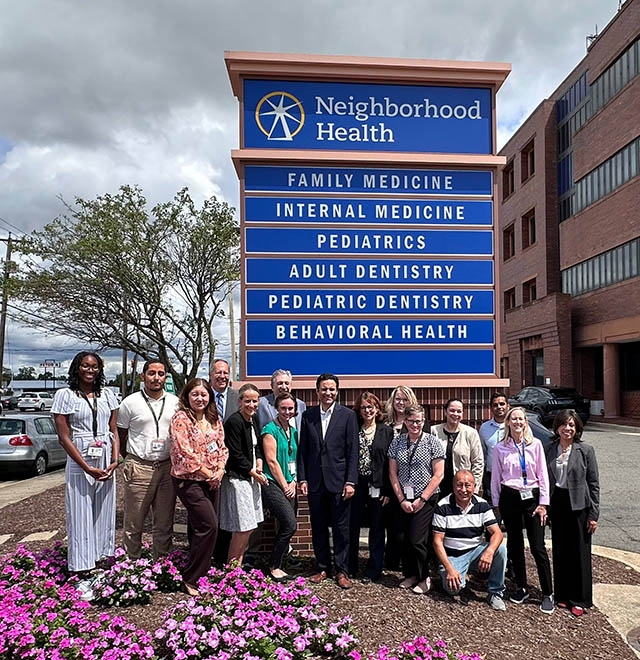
{"x": 281, "y": 240}
{"x": 280, "y": 332}
{"x": 368, "y": 211}
{"x": 367, "y": 271}
{"x": 370, "y": 302}
{"x": 380, "y": 362}
{"x": 276, "y": 178}
{"x": 366, "y": 117}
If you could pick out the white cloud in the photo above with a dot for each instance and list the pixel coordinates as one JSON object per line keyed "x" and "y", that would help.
{"x": 95, "y": 95}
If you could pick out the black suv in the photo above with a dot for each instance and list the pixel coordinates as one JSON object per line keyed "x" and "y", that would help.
{"x": 547, "y": 401}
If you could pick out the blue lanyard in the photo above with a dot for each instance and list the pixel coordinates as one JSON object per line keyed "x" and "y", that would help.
{"x": 523, "y": 462}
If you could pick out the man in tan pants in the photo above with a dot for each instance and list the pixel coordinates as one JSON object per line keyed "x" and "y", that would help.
{"x": 143, "y": 428}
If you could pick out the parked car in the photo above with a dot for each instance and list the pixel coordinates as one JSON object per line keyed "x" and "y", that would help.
{"x": 8, "y": 403}
{"x": 35, "y": 400}
{"x": 29, "y": 443}
{"x": 538, "y": 429}
{"x": 547, "y": 401}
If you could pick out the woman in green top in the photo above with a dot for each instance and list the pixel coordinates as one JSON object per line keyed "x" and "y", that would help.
{"x": 280, "y": 446}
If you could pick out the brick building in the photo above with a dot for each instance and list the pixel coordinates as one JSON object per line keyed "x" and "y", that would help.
{"x": 570, "y": 223}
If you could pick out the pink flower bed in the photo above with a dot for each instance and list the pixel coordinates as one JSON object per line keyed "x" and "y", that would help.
{"x": 239, "y": 615}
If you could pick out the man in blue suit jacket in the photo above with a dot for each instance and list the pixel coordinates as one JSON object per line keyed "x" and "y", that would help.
{"x": 327, "y": 473}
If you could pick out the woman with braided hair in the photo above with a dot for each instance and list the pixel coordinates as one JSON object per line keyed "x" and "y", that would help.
{"x": 85, "y": 418}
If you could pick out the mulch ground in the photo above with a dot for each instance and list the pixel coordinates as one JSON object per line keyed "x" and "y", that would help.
{"x": 384, "y": 614}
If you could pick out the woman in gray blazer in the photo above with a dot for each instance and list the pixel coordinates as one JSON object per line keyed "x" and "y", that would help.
{"x": 574, "y": 510}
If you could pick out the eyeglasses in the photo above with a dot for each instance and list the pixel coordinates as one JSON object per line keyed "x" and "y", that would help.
{"x": 414, "y": 421}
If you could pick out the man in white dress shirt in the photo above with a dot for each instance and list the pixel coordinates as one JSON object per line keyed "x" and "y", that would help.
{"x": 143, "y": 429}
{"x": 226, "y": 397}
{"x": 281, "y": 381}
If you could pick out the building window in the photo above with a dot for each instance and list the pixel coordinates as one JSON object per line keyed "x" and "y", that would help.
{"x": 528, "y": 161}
{"x": 509, "y": 242}
{"x": 617, "y": 76}
{"x": 509, "y": 299}
{"x": 529, "y": 292}
{"x": 616, "y": 265}
{"x": 604, "y": 179}
{"x": 508, "y": 180}
{"x": 528, "y": 229}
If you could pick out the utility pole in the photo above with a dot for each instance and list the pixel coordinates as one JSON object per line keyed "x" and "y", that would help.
{"x": 232, "y": 332}
{"x": 123, "y": 379}
{"x": 3, "y": 311}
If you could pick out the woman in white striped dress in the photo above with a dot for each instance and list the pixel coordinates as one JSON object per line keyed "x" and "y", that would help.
{"x": 85, "y": 417}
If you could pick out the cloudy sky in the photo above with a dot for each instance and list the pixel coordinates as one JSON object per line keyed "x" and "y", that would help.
{"x": 98, "y": 94}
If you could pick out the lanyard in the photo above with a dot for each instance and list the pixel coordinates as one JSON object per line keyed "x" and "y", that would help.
{"x": 523, "y": 462}
{"x": 289, "y": 436}
{"x": 94, "y": 412}
{"x": 413, "y": 453}
{"x": 156, "y": 419}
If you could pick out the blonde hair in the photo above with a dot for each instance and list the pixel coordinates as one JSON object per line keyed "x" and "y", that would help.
{"x": 389, "y": 410}
{"x": 527, "y": 435}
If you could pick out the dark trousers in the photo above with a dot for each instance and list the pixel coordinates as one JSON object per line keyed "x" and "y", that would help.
{"x": 361, "y": 506}
{"x": 201, "y": 504}
{"x": 283, "y": 509}
{"x": 516, "y": 514}
{"x": 393, "y": 547}
{"x": 330, "y": 509}
{"x": 414, "y": 537}
{"x": 571, "y": 551}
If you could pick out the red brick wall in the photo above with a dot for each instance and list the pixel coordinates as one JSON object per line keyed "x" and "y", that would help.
{"x": 630, "y": 404}
{"x": 615, "y": 302}
{"x": 604, "y": 225}
{"x": 539, "y": 260}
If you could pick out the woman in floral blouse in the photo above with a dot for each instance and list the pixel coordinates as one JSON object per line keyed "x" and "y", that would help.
{"x": 198, "y": 459}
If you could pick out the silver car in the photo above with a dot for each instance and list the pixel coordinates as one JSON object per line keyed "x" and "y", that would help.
{"x": 35, "y": 401}
{"x": 29, "y": 443}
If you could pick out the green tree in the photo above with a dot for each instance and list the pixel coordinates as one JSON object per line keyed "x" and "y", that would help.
{"x": 7, "y": 375}
{"x": 26, "y": 373}
{"x": 113, "y": 273}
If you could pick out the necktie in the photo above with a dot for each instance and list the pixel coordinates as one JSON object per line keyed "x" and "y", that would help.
{"x": 220, "y": 404}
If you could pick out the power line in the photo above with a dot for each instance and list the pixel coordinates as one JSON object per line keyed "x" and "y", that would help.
{"x": 10, "y": 224}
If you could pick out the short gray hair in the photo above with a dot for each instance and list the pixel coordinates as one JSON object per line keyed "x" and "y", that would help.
{"x": 212, "y": 364}
{"x": 280, "y": 372}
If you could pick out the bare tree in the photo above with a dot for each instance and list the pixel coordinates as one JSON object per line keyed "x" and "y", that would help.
{"x": 112, "y": 273}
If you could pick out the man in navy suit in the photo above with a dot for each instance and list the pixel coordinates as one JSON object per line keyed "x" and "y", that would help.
{"x": 327, "y": 474}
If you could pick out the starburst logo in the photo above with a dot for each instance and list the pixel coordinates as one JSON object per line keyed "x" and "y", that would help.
{"x": 279, "y": 116}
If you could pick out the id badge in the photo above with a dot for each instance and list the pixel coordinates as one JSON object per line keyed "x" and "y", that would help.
{"x": 409, "y": 492}
{"x": 374, "y": 492}
{"x": 212, "y": 447}
{"x": 526, "y": 494}
{"x": 157, "y": 446}
{"x": 95, "y": 451}
{"x": 292, "y": 468}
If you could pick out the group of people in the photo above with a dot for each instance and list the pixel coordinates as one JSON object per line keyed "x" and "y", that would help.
{"x": 433, "y": 498}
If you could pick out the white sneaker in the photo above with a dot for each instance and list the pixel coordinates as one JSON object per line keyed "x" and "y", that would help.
{"x": 85, "y": 587}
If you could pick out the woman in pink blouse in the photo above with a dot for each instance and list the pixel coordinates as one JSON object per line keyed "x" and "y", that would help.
{"x": 198, "y": 459}
{"x": 520, "y": 483}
